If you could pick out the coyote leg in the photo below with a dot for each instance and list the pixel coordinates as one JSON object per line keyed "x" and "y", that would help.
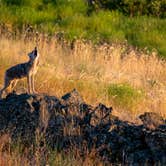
{"x": 7, "y": 83}
{"x": 29, "y": 83}
{"x": 13, "y": 84}
{"x": 33, "y": 85}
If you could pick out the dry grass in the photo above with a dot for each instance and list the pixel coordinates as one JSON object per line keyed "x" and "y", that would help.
{"x": 91, "y": 69}
{"x": 18, "y": 156}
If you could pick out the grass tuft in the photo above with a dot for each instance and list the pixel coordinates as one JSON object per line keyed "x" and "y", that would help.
{"x": 124, "y": 95}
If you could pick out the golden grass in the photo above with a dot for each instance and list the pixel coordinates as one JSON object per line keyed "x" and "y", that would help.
{"x": 16, "y": 155}
{"x": 90, "y": 69}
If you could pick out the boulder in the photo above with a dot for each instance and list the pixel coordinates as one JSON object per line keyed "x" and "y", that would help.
{"x": 151, "y": 120}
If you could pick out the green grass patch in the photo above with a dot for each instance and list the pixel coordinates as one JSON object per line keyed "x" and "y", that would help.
{"x": 124, "y": 96}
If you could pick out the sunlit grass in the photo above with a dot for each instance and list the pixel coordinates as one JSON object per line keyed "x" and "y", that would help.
{"x": 124, "y": 95}
{"x": 131, "y": 85}
{"x": 134, "y": 83}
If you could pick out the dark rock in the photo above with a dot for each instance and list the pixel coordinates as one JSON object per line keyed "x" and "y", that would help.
{"x": 72, "y": 98}
{"x": 68, "y": 123}
{"x": 151, "y": 120}
{"x": 100, "y": 115}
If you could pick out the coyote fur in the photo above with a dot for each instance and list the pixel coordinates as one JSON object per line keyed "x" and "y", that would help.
{"x": 28, "y": 69}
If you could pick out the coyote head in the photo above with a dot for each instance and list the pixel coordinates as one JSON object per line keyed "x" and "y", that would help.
{"x": 33, "y": 54}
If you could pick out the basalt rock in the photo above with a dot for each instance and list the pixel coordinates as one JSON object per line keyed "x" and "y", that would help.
{"x": 151, "y": 120}
{"x": 69, "y": 123}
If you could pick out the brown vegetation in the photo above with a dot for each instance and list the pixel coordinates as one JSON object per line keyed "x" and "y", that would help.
{"x": 91, "y": 69}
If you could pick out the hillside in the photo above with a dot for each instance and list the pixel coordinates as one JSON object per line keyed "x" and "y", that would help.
{"x": 140, "y": 24}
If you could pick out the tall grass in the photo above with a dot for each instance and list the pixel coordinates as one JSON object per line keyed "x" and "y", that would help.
{"x": 17, "y": 155}
{"x": 116, "y": 75}
{"x": 124, "y": 95}
{"x": 72, "y": 19}
{"x": 129, "y": 80}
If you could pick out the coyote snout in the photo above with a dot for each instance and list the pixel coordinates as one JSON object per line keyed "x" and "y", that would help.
{"x": 28, "y": 69}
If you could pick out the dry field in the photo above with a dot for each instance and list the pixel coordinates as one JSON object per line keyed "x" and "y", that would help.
{"x": 93, "y": 71}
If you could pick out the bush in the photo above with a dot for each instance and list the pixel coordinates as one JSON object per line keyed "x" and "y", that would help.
{"x": 133, "y": 7}
{"x": 14, "y": 2}
{"x": 123, "y": 95}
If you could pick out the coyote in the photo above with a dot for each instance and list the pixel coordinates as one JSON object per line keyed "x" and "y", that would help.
{"x": 19, "y": 71}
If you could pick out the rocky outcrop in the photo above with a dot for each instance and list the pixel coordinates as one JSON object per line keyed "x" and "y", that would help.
{"x": 151, "y": 120}
{"x": 69, "y": 123}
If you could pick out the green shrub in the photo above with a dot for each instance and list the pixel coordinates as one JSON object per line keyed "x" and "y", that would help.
{"x": 132, "y": 7}
{"x": 123, "y": 95}
{"x": 146, "y": 32}
{"x": 14, "y": 2}
{"x": 105, "y": 25}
